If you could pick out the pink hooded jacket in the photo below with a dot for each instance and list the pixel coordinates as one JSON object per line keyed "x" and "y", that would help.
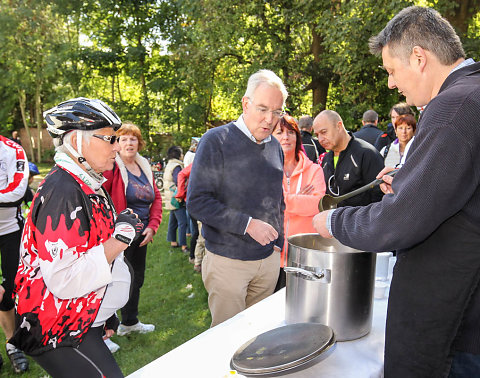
{"x": 301, "y": 208}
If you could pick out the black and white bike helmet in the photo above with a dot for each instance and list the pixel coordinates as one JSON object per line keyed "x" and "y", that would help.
{"x": 80, "y": 114}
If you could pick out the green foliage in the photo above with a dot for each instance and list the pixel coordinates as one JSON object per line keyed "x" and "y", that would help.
{"x": 181, "y": 66}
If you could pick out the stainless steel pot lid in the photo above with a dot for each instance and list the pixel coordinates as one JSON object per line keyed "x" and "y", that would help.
{"x": 282, "y": 348}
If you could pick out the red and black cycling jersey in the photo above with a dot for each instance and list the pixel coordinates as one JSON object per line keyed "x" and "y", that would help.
{"x": 63, "y": 271}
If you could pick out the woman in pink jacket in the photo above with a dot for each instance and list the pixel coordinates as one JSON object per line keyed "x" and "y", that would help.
{"x": 303, "y": 186}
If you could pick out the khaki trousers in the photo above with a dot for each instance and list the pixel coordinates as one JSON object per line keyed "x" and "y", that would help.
{"x": 233, "y": 285}
{"x": 200, "y": 246}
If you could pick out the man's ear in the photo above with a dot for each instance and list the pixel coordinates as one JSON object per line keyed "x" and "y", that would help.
{"x": 244, "y": 103}
{"x": 418, "y": 58}
{"x": 73, "y": 138}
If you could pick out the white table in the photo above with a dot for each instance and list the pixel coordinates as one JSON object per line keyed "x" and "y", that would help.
{"x": 208, "y": 354}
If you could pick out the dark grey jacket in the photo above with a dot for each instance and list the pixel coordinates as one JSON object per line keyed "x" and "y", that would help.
{"x": 433, "y": 219}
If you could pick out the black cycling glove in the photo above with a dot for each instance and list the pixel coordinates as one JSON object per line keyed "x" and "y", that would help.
{"x": 127, "y": 227}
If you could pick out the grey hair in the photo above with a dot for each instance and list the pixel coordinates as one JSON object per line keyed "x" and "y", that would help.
{"x": 265, "y": 77}
{"x": 419, "y": 26}
{"x": 370, "y": 116}
{"x": 332, "y": 116}
{"x": 59, "y": 143}
{"x": 305, "y": 122}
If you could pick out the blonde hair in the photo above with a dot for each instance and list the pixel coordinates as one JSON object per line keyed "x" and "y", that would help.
{"x": 129, "y": 128}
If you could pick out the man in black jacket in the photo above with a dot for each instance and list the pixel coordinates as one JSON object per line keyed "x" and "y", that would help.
{"x": 350, "y": 164}
{"x": 312, "y": 147}
{"x": 431, "y": 212}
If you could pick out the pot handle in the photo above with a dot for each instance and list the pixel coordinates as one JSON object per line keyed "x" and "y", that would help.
{"x": 309, "y": 275}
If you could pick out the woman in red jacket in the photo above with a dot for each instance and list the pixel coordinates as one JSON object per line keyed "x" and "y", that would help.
{"x": 131, "y": 185}
{"x": 303, "y": 186}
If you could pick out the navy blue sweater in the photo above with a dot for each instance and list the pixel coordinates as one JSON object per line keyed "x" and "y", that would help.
{"x": 233, "y": 179}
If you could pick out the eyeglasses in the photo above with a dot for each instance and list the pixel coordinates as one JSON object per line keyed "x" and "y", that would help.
{"x": 263, "y": 111}
{"x": 107, "y": 138}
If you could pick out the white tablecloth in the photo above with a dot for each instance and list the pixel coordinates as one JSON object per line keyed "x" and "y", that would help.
{"x": 208, "y": 354}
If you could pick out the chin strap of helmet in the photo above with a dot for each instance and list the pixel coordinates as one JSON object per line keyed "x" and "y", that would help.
{"x": 78, "y": 155}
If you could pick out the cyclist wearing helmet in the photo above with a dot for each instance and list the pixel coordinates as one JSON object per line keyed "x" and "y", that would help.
{"x": 72, "y": 276}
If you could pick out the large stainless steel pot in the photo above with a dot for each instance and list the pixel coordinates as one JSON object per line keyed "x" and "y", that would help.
{"x": 331, "y": 284}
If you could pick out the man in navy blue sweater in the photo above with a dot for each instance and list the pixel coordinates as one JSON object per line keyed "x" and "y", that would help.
{"x": 431, "y": 211}
{"x": 235, "y": 190}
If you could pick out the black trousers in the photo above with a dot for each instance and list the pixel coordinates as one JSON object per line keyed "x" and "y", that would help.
{"x": 193, "y": 240}
{"x": 91, "y": 359}
{"x": 10, "y": 251}
{"x": 136, "y": 256}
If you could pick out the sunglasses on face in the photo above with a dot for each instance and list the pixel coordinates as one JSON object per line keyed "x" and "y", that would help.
{"x": 107, "y": 138}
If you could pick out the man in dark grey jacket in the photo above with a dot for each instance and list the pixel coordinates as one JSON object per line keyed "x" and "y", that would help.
{"x": 369, "y": 131}
{"x": 431, "y": 212}
{"x": 312, "y": 147}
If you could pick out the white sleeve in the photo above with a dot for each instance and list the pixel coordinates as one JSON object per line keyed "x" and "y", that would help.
{"x": 74, "y": 275}
{"x": 14, "y": 185}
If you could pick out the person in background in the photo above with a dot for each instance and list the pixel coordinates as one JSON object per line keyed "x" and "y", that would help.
{"x": 389, "y": 136}
{"x": 131, "y": 185}
{"x": 369, "y": 131}
{"x": 15, "y": 137}
{"x": 312, "y": 147}
{"x": 190, "y": 155}
{"x": 72, "y": 277}
{"x": 235, "y": 190}
{"x": 303, "y": 186}
{"x": 199, "y": 250}
{"x": 178, "y": 214}
{"x": 350, "y": 163}
{"x": 192, "y": 227}
{"x": 28, "y": 198}
{"x": 181, "y": 196}
{"x": 14, "y": 176}
{"x": 405, "y": 127}
{"x": 431, "y": 211}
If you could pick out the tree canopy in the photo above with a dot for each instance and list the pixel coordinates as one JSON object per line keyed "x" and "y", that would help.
{"x": 180, "y": 66}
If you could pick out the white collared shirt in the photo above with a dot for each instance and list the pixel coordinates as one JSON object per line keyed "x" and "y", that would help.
{"x": 240, "y": 123}
{"x": 465, "y": 63}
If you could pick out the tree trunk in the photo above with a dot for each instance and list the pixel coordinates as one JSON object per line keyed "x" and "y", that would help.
{"x": 118, "y": 89}
{"x": 210, "y": 97}
{"x": 22, "y": 101}
{"x": 461, "y": 15}
{"x": 178, "y": 113}
{"x": 113, "y": 88}
{"x": 146, "y": 102}
{"x": 38, "y": 118}
{"x": 319, "y": 84}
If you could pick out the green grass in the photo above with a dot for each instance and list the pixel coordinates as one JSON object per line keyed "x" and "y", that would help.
{"x": 165, "y": 301}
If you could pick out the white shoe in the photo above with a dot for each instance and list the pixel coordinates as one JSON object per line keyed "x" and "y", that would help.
{"x": 139, "y": 327}
{"x": 111, "y": 345}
